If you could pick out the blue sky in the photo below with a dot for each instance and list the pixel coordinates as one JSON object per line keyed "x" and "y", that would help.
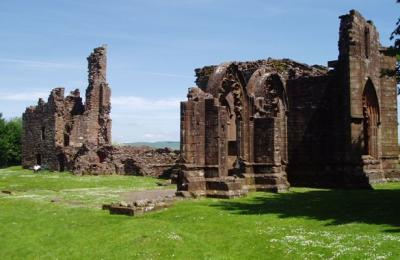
{"x": 154, "y": 46}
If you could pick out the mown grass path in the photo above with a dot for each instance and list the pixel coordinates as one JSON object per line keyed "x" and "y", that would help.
{"x": 301, "y": 224}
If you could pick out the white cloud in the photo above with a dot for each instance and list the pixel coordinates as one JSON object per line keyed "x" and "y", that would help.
{"x": 131, "y": 103}
{"x": 33, "y": 64}
{"x": 145, "y": 119}
{"x": 134, "y": 118}
{"x": 135, "y": 103}
{"x": 163, "y": 74}
{"x": 26, "y": 96}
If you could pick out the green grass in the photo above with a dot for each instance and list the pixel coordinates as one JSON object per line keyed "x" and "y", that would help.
{"x": 301, "y": 224}
{"x": 65, "y": 188}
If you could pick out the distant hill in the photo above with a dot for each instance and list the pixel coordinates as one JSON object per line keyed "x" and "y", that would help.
{"x": 170, "y": 144}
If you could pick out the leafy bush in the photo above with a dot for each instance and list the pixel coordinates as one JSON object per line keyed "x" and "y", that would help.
{"x": 10, "y": 141}
{"x": 395, "y": 49}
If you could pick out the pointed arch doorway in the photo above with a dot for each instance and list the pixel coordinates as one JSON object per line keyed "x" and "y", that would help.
{"x": 371, "y": 120}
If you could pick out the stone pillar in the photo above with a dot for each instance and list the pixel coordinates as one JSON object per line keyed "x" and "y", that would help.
{"x": 98, "y": 104}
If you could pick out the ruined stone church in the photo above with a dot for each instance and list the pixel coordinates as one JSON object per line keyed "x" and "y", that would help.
{"x": 268, "y": 124}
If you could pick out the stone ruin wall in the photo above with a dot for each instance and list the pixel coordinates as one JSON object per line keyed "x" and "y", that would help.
{"x": 67, "y": 134}
{"x": 255, "y": 125}
{"x": 55, "y": 130}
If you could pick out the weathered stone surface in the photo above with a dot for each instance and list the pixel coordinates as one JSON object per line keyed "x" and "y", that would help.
{"x": 270, "y": 121}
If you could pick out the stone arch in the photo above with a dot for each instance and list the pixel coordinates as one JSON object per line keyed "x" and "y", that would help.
{"x": 227, "y": 86}
{"x": 270, "y": 89}
{"x": 260, "y": 85}
{"x": 270, "y": 101}
{"x": 227, "y": 79}
{"x": 371, "y": 119}
{"x": 277, "y": 96}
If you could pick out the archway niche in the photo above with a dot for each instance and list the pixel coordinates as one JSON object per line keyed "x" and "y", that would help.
{"x": 232, "y": 133}
{"x": 271, "y": 120}
{"x": 371, "y": 120}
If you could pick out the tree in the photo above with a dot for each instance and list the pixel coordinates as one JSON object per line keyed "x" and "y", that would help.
{"x": 395, "y": 49}
{"x": 10, "y": 141}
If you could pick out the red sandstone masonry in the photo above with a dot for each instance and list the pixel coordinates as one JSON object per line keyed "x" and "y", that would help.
{"x": 270, "y": 121}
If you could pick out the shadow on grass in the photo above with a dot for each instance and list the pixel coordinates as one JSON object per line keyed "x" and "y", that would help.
{"x": 336, "y": 206}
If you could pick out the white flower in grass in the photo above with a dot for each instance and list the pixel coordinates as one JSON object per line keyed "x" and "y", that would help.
{"x": 174, "y": 236}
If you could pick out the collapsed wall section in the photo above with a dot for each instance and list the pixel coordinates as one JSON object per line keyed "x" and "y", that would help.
{"x": 67, "y": 134}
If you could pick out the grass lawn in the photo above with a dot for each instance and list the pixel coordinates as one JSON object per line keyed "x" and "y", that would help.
{"x": 301, "y": 224}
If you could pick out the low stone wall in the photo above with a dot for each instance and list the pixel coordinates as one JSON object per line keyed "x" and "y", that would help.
{"x": 127, "y": 160}
{"x": 140, "y": 202}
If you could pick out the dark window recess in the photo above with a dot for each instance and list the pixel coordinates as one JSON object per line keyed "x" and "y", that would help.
{"x": 61, "y": 162}
{"x": 232, "y": 148}
{"x": 43, "y": 133}
{"x": 38, "y": 159}
{"x": 102, "y": 156}
{"x": 367, "y": 42}
{"x": 66, "y": 139}
{"x": 67, "y": 134}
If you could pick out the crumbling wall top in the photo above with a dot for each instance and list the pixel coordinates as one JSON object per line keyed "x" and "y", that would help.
{"x": 97, "y": 65}
{"x": 286, "y": 68}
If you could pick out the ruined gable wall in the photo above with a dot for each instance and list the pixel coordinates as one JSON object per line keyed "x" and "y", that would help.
{"x": 359, "y": 52}
{"x": 359, "y": 61}
{"x": 362, "y": 60}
